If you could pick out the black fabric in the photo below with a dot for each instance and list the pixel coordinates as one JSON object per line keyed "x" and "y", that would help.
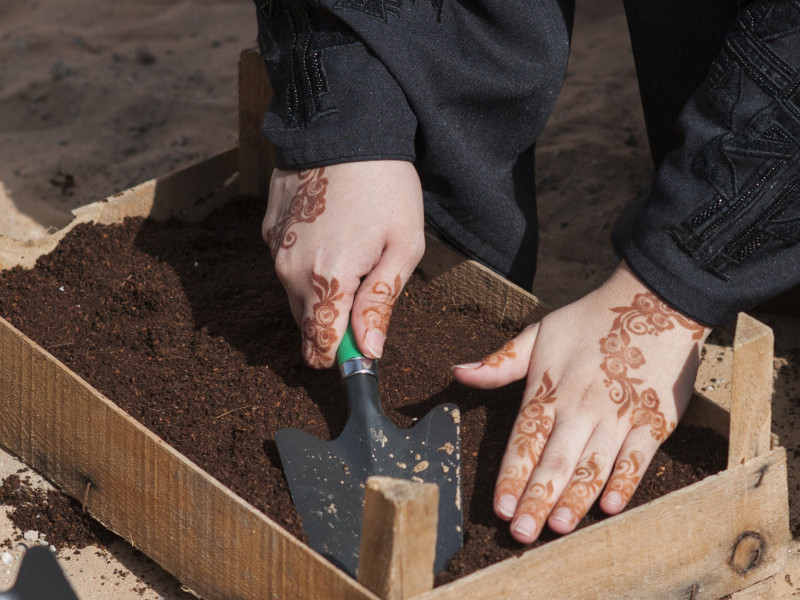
{"x": 673, "y": 43}
{"x": 463, "y": 89}
{"x": 719, "y": 230}
{"x": 480, "y": 77}
{"x": 334, "y": 100}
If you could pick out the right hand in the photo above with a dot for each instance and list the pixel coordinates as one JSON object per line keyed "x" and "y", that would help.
{"x": 345, "y": 239}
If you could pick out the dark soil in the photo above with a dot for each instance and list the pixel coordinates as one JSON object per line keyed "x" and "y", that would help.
{"x": 188, "y": 330}
{"x": 57, "y": 517}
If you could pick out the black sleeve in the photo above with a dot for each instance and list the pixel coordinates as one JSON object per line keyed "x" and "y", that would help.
{"x": 461, "y": 88}
{"x": 334, "y": 100}
{"x": 719, "y": 230}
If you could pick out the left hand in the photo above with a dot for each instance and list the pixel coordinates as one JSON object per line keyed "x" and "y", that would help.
{"x": 608, "y": 378}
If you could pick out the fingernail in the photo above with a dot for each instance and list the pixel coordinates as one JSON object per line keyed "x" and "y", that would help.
{"x": 374, "y": 341}
{"x": 474, "y": 365}
{"x": 525, "y": 526}
{"x": 563, "y": 515}
{"x": 506, "y": 505}
{"x": 614, "y": 499}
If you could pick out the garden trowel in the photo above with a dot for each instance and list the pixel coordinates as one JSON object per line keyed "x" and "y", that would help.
{"x": 327, "y": 478}
{"x": 40, "y": 578}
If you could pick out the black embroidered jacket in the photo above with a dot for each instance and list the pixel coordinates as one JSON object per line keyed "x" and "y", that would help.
{"x": 463, "y": 89}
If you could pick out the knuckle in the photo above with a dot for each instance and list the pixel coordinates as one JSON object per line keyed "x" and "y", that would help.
{"x": 283, "y": 269}
{"x": 555, "y": 463}
{"x": 418, "y": 247}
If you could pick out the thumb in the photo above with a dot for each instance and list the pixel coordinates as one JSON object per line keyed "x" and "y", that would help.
{"x": 509, "y": 363}
{"x": 372, "y": 308}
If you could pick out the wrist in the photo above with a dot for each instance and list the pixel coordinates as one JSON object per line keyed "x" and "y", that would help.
{"x": 623, "y": 287}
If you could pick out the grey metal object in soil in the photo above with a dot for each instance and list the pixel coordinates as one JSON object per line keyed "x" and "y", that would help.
{"x": 327, "y": 479}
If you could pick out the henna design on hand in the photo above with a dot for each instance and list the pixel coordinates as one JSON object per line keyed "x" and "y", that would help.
{"x": 528, "y": 438}
{"x": 582, "y": 489}
{"x": 626, "y": 477}
{"x": 377, "y": 315}
{"x": 650, "y": 315}
{"x": 319, "y": 335}
{"x": 305, "y": 206}
{"x": 647, "y": 315}
{"x": 537, "y": 502}
{"x": 496, "y": 358}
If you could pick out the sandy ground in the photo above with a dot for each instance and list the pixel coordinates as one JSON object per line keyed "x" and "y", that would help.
{"x": 95, "y": 97}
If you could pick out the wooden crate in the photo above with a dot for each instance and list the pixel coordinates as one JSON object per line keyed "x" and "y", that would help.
{"x": 728, "y": 533}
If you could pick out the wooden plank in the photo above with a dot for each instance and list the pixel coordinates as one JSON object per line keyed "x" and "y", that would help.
{"x": 783, "y": 585}
{"x": 190, "y": 193}
{"x": 679, "y": 546}
{"x": 751, "y": 395}
{"x": 704, "y": 412}
{"x": 255, "y": 151}
{"x": 193, "y": 526}
{"x": 465, "y": 281}
{"x": 398, "y": 539}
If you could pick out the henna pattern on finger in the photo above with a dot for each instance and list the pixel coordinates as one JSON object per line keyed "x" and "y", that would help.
{"x": 533, "y": 426}
{"x": 530, "y": 433}
{"x": 538, "y": 502}
{"x": 626, "y": 477}
{"x": 582, "y": 488}
{"x": 647, "y": 315}
{"x": 513, "y": 481}
{"x": 377, "y": 315}
{"x": 319, "y": 335}
{"x": 495, "y": 359}
{"x": 305, "y": 206}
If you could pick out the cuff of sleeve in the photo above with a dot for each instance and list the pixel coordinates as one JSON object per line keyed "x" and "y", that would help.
{"x": 370, "y": 119}
{"x": 309, "y": 155}
{"x": 692, "y": 296}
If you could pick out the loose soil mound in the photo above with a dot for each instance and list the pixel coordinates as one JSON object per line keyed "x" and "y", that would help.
{"x": 57, "y": 518}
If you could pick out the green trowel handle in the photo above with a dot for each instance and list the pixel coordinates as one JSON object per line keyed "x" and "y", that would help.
{"x": 348, "y": 348}
{"x": 351, "y": 360}
{"x": 360, "y": 380}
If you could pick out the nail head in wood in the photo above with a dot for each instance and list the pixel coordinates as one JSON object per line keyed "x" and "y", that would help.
{"x": 398, "y": 538}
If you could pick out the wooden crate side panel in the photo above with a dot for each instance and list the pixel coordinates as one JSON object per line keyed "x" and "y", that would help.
{"x": 255, "y": 151}
{"x": 704, "y": 412}
{"x": 464, "y": 281}
{"x": 198, "y": 530}
{"x": 783, "y": 585}
{"x": 189, "y": 194}
{"x": 751, "y": 390}
{"x": 678, "y": 546}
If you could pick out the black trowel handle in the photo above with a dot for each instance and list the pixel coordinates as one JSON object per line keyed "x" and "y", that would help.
{"x": 360, "y": 379}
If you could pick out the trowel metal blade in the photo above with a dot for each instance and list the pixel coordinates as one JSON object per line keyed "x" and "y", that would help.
{"x": 327, "y": 479}
{"x": 39, "y": 578}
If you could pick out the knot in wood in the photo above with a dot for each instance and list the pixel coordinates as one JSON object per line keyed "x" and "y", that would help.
{"x": 748, "y": 552}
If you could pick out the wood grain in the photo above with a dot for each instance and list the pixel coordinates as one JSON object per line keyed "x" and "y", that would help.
{"x": 751, "y": 390}
{"x": 398, "y": 540}
{"x": 255, "y": 151}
